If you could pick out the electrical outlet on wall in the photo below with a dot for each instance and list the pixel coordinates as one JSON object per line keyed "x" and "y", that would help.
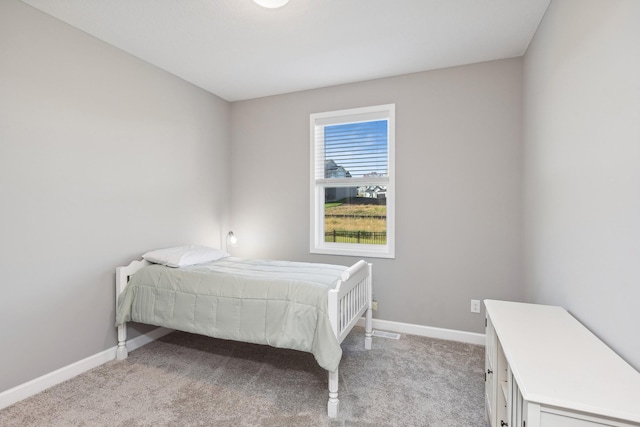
{"x": 374, "y": 305}
{"x": 475, "y": 306}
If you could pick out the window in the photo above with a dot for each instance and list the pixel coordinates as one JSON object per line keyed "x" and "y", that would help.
{"x": 352, "y": 182}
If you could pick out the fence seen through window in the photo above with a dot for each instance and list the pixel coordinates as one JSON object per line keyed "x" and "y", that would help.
{"x": 355, "y": 219}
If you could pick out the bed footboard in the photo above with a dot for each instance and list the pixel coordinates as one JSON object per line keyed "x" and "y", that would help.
{"x": 350, "y": 299}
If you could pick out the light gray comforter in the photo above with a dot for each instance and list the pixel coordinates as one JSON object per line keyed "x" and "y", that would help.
{"x": 278, "y": 303}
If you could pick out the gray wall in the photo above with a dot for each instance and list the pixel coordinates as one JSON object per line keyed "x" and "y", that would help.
{"x": 458, "y": 150}
{"x": 102, "y": 157}
{"x": 582, "y": 167}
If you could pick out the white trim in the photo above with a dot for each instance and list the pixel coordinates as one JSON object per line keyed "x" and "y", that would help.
{"x": 35, "y": 386}
{"x": 317, "y": 123}
{"x": 144, "y": 339}
{"x": 428, "y": 331}
{"x": 13, "y": 395}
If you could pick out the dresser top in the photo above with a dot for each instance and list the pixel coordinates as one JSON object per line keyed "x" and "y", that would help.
{"x": 557, "y": 361}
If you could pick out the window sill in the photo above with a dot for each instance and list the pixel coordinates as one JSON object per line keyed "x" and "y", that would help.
{"x": 367, "y": 252}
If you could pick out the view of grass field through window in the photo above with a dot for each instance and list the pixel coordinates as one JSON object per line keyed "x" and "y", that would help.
{"x": 350, "y": 221}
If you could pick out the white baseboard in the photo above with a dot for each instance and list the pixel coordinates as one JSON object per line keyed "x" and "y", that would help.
{"x": 13, "y": 395}
{"x": 145, "y": 339}
{"x": 427, "y": 331}
{"x": 30, "y": 388}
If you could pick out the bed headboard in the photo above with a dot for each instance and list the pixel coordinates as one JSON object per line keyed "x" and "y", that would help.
{"x": 124, "y": 273}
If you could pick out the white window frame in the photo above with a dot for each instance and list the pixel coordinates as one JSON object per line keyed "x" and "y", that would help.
{"x": 317, "y": 123}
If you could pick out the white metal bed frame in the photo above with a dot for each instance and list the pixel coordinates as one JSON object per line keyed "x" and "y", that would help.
{"x": 348, "y": 302}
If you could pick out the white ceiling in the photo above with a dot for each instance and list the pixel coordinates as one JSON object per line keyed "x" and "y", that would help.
{"x": 239, "y": 50}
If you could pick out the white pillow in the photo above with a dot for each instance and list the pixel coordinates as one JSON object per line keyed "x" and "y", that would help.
{"x": 184, "y": 255}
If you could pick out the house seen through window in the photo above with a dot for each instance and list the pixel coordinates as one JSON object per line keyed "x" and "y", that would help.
{"x": 352, "y": 209}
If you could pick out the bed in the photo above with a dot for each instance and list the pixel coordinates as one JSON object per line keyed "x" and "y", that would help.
{"x": 302, "y": 306}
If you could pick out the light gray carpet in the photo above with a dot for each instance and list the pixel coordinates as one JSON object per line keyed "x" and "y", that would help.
{"x": 190, "y": 380}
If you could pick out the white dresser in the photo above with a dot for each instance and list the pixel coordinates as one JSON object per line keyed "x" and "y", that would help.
{"x": 543, "y": 368}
